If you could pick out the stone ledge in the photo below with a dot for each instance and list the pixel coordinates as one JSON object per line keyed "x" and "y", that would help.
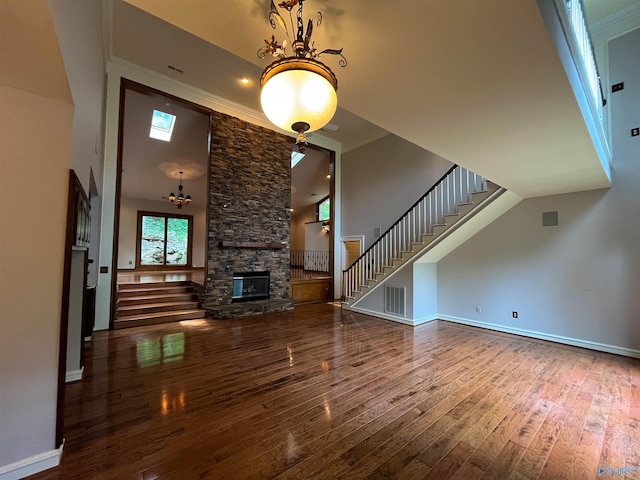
{"x": 245, "y": 309}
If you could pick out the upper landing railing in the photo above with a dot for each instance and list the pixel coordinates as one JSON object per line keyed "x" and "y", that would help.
{"x": 575, "y": 11}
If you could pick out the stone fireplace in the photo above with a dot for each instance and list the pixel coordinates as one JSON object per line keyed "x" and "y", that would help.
{"x": 249, "y": 216}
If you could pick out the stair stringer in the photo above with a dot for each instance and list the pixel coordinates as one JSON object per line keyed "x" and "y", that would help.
{"x": 483, "y": 211}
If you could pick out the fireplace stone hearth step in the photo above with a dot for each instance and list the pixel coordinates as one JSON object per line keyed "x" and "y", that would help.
{"x": 245, "y": 309}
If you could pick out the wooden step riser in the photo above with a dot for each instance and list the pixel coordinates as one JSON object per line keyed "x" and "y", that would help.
{"x": 153, "y": 291}
{"x": 140, "y": 322}
{"x": 122, "y": 302}
{"x": 135, "y": 286}
{"x": 143, "y": 309}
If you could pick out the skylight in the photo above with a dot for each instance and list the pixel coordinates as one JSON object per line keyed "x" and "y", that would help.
{"x": 295, "y": 158}
{"x": 162, "y": 125}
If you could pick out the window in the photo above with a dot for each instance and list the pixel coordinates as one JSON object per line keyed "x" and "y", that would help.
{"x": 162, "y": 125}
{"x": 324, "y": 209}
{"x": 164, "y": 240}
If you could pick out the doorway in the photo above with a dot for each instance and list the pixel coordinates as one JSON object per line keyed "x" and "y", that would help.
{"x": 312, "y": 216}
{"x": 161, "y": 204}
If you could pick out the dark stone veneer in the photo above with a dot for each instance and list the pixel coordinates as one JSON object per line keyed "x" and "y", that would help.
{"x": 249, "y": 201}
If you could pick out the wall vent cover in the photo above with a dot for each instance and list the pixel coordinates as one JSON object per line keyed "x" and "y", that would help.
{"x": 394, "y": 300}
{"x": 550, "y": 219}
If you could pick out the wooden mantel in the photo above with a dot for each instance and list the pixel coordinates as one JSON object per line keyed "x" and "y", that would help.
{"x": 259, "y": 245}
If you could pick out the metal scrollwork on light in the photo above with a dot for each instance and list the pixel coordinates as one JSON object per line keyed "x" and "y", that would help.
{"x": 302, "y": 45}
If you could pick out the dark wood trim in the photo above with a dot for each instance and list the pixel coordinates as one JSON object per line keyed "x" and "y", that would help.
{"x": 75, "y": 193}
{"x": 152, "y": 92}
{"x": 126, "y": 84}
{"x": 116, "y": 209}
{"x": 142, "y": 213}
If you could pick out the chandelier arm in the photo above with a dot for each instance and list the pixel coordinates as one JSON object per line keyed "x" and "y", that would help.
{"x": 299, "y": 37}
{"x": 319, "y": 20}
{"x": 331, "y": 51}
{"x": 307, "y": 37}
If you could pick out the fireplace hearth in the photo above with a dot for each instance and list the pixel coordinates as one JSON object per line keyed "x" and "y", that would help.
{"x": 250, "y": 286}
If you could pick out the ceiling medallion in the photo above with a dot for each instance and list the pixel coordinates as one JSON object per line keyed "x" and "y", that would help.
{"x": 298, "y": 91}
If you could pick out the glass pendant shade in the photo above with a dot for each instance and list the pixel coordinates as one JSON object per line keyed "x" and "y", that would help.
{"x": 299, "y": 90}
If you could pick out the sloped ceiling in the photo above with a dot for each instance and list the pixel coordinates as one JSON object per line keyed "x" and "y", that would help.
{"x": 478, "y": 83}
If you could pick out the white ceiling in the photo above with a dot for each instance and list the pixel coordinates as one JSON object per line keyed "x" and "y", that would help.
{"x": 478, "y": 83}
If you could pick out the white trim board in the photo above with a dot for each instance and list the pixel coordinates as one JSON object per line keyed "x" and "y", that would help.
{"x": 74, "y": 375}
{"x": 31, "y": 465}
{"x": 576, "y": 342}
{"x": 384, "y": 316}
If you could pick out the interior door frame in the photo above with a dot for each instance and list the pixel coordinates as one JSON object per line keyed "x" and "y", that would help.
{"x": 126, "y": 84}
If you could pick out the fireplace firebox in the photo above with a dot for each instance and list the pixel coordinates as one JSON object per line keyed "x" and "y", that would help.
{"x": 250, "y": 286}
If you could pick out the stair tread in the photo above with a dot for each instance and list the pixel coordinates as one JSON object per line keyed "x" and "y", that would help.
{"x": 158, "y": 297}
{"x": 133, "y": 286}
{"x": 178, "y": 288}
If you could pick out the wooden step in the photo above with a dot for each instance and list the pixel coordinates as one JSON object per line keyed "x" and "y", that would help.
{"x": 145, "y": 308}
{"x": 177, "y": 297}
{"x": 157, "y": 318}
{"x": 134, "y": 286}
{"x": 152, "y": 289}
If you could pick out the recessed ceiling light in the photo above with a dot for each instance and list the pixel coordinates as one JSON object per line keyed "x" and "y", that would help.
{"x": 328, "y": 176}
{"x": 244, "y": 81}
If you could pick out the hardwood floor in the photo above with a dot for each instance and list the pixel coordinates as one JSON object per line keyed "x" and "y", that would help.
{"x": 321, "y": 393}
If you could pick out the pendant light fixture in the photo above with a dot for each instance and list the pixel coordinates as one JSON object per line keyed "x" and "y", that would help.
{"x": 180, "y": 200}
{"x": 298, "y": 92}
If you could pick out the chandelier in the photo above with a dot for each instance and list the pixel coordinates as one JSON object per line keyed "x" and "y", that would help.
{"x": 298, "y": 91}
{"x": 180, "y": 200}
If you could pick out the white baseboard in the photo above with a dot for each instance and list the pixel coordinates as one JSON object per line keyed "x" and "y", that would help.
{"x": 386, "y": 316}
{"x": 32, "y": 465}
{"x": 74, "y": 375}
{"x": 425, "y": 319}
{"x": 576, "y": 342}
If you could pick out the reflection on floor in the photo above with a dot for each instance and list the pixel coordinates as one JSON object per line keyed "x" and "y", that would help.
{"x": 159, "y": 276}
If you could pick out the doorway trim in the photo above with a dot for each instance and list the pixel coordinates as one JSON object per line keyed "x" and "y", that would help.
{"x": 130, "y": 85}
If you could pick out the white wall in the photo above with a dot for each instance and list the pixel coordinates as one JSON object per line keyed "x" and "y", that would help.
{"x": 577, "y": 280}
{"x": 32, "y": 246}
{"x": 298, "y": 222}
{"x": 381, "y": 180}
{"x": 78, "y": 26}
{"x": 34, "y": 182}
{"x": 129, "y": 220}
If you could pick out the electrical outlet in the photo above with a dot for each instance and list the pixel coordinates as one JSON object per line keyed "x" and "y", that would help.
{"x": 616, "y": 87}
{"x": 478, "y": 309}
{"x": 514, "y": 314}
{"x": 635, "y": 131}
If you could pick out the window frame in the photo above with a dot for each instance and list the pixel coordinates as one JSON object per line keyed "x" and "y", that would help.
{"x": 327, "y": 198}
{"x": 166, "y": 216}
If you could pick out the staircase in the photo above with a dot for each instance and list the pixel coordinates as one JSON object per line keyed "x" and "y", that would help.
{"x": 453, "y": 200}
{"x": 154, "y": 303}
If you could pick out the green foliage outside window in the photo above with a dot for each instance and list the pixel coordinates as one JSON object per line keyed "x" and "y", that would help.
{"x": 324, "y": 209}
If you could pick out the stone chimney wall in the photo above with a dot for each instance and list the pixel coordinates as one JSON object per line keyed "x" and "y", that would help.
{"x": 249, "y": 202}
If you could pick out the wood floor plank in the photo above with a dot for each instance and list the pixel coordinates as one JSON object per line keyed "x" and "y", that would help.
{"x": 323, "y": 393}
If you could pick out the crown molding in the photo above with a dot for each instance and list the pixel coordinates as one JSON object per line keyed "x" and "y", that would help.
{"x": 618, "y": 23}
